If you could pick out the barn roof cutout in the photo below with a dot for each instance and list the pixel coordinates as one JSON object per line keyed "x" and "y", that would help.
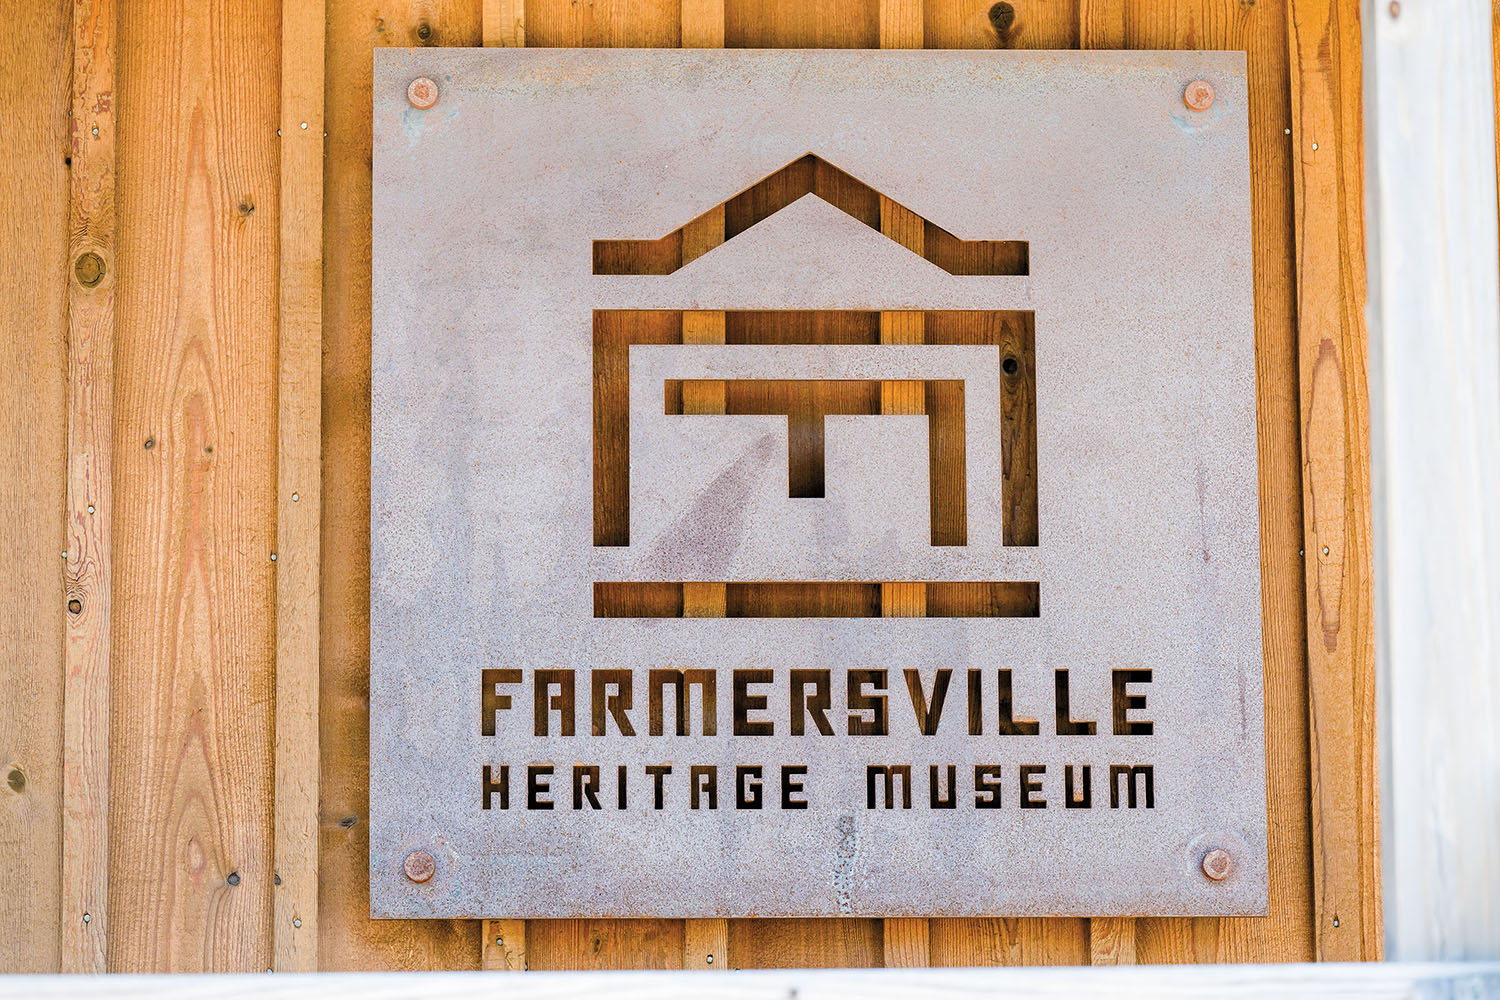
{"x": 811, "y": 174}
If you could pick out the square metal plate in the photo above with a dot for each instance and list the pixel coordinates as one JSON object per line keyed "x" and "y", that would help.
{"x": 545, "y": 469}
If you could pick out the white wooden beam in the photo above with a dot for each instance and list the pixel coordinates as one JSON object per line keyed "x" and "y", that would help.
{"x": 1435, "y": 396}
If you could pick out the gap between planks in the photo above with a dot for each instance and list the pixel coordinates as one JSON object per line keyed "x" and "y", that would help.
{"x": 502, "y": 943}
{"x": 1101, "y": 25}
{"x": 91, "y": 330}
{"x": 705, "y": 941}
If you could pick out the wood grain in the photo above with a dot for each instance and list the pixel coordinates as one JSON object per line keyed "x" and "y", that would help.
{"x": 706, "y": 944}
{"x": 192, "y": 632}
{"x": 299, "y": 494}
{"x": 997, "y": 941}
{"x": 605, "y": 944}
{"x": 1111, "y": 941}
{"x": 503, "y": 22}
{"x": 90, "y": 416}
{"x": 838, "y": 942}
{"x": 348, "y": 938}
{"x": 503, "y": 946}
{"x": 1324, "y": 45}
{"x": 35, "y": 411}
{"x": 192, "y": 663}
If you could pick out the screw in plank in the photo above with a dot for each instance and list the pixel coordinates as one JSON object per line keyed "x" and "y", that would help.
{"x": 1198, "y": 95}
{"x": 419, "y": 866}
{"x": 422, "y": 93}
{"x": 1217, "y": 864}
{"x": 89, "y": 269}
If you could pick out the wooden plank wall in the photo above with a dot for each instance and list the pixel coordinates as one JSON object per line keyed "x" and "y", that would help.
{"x": 215, "y": 780}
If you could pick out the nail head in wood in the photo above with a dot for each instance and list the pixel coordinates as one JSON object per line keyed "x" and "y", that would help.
{"x": 422, "y": 93}
{"x": 1217, "y": 864}
{"x": 1198, "y": 95}
{"x": 419, "y": 866}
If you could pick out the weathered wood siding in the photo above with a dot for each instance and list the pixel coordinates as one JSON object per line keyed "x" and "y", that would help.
{"x": 228, "y": 831}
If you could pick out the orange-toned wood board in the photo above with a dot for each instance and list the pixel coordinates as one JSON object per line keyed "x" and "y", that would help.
{"x": 197, "y": 455}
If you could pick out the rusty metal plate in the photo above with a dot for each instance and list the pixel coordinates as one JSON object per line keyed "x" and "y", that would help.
{"x": 850, "y": 455}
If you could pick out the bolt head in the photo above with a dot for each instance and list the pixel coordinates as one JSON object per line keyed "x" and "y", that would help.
{"x": 419, "y": 866}
{"x": 1217, "y": 864}
{"x": 1198, "y": 95}
{"x": 422, "y": 93}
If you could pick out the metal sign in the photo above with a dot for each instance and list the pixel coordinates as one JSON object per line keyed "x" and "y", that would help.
{"x": 813, "y": 483}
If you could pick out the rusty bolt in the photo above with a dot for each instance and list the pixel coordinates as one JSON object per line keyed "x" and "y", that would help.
{"x": 89, "y": 269}
{"x": 1198, "y": 95}
{"x": 1217, "y": 864}
{"x": 419, "y": 866}
{"x": 422, "y": 93}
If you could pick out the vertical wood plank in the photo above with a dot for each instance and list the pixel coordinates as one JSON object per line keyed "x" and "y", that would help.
{"x": 1101, "y": 25}
{"x": 504, "y": 946}
{"x": 1286, "y": 936}
{"x": 83, "y": 916}
{"x": 810, "y": 24}
{"x": 996, "y": 941}
{"x": 36, "y": 400}
{"x": 705, "y": 941}
{"x": 1111, "y": 941}
{"x": 557, "y": 945}
{"x": 703, "y": 28}
{"x": 906, "y": 942}
{"x": 1435, "y": 401}
{"x": 502, "y": 942}
{"x": 577, "y": 944}
{"x": 348, "y": 938}
{"x": 901, "y": 25}
{"x": 706, "y": 944}
{"x": 192, "y": 663}
{"x": 299, "y": 493}
{"x": 802, "y": 24}
{"x": 504, "y": 23}
{"x": 847, "y": 942}
{"x": 1324, "y": 44}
